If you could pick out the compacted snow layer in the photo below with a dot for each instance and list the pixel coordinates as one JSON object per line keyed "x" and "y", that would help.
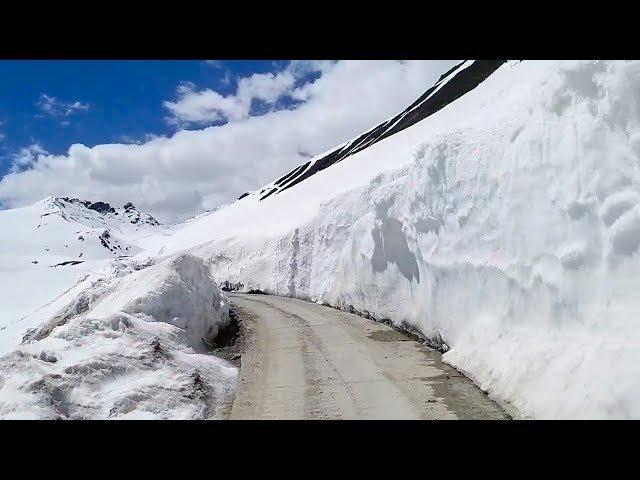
{"x": 130, "y": 345}
{"x": 505, "y": 227}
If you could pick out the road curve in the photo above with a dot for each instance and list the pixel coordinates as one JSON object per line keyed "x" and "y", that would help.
{"x": 306, "y": 361}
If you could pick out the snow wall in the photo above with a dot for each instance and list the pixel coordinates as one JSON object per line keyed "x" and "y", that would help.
{"x": 507, "y": 225}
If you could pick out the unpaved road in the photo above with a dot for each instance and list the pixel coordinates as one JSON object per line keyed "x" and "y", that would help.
{"x": 306, "y": 361}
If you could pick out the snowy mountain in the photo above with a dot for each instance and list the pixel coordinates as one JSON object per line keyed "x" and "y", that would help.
{"x": 78, "y": 306}
{"x": 69, "y": 229}
{"x": 497, "y": 217}
{"x": 47, "y": 246}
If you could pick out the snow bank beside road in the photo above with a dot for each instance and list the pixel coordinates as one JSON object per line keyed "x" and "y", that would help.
{"x": 507, "y": 224}
{"x": 132, "y": 346}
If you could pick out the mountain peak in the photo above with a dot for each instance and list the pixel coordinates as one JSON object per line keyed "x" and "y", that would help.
{"x": 100, "y": 207}
{"x": 88, "y": 212}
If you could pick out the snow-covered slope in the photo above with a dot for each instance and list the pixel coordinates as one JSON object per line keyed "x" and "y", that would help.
{"x": 451, "y": 85}
{"x": 504, "y": 227}
{"x": 46, "y": 247}
{"x": 87, "y": 332}
{"x": 71, "y": 229}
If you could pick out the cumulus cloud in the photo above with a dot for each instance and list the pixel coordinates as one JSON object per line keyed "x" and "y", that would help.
{"x": 26, "y": 157}
{"x": 137, "y": 140}
{"x": 56, "y": 108}
{"x": 194, "y": 170}
{"x": 208, "y": 106}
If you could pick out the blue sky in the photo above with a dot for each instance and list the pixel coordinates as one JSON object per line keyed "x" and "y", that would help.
{"x": 124, "y": 99}
{"x": 180, "y": 137}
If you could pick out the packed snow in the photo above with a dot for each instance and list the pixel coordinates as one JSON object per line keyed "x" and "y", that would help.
{"x": 504, "y": 229}
{"x": 133, "y": 345}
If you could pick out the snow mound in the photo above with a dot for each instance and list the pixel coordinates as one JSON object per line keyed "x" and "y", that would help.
{"x": 505, "y": 226}
{"x": 132, "y": 345}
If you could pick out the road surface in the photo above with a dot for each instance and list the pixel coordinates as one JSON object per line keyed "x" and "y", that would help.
{"x": 306, "y": 361}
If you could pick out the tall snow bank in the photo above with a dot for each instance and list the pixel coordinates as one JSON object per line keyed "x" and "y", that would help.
{"x": 132, "y": 346}
{"x": 507, "y": 225}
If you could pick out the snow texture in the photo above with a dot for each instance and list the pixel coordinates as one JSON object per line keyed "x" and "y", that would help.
{"x": 505, "y": 228}
{"x": 133, "y": 345}
{"x": 47, "y": 247}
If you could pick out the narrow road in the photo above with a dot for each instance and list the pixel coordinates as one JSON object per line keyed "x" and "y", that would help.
{"x": 306, "y": 361}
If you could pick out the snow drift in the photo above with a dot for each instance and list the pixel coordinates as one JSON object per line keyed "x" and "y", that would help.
{"x": 129, "y": 346}
{"x": 505, "y": 228}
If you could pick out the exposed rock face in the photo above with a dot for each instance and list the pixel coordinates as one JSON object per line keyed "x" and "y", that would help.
{"x": 453, "y": 84}
{"x": 100, "y": 207}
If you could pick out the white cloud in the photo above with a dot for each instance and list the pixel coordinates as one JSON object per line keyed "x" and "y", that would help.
{"x": 2, "y": 135}
{"x": 205, "y": 106}
{"x": 138, "y": 141}
{"x": 56, "y": 108}
{"x": 209, "y": 106}
{"x": 26, "y": 157}
{"x": 195, "y": 170}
